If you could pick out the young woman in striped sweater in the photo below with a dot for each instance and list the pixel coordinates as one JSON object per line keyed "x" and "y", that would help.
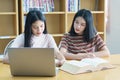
{"x": 36, "y": 36}
{"x": 83, "y": 41}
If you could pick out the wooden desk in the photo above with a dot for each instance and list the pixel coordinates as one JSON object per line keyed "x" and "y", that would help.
{"x": 110, "y": 74}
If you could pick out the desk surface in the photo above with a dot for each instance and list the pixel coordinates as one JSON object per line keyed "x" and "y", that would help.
{"x": 110, "y": 74}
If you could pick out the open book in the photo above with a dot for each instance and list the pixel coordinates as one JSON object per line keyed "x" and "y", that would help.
{"x": 85, "y": 65}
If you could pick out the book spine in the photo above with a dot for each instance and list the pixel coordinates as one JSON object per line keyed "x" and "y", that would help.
{"x": 96, "y": 5}
{"x": 68, "y": 6}
{"x": 52, "y": 5}
{"x": 78, "y": 4}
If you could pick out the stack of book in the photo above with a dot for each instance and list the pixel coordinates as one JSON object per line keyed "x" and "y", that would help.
{"x": 43, "y": 5}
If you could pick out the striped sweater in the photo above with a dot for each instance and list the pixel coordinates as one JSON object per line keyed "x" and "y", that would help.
{"x": 76, "y": 44}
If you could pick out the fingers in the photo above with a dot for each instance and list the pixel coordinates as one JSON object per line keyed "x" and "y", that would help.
{"x": 59, "y": 62}
{"x": 90, "y": 55}
{"x": 85, "y": 55}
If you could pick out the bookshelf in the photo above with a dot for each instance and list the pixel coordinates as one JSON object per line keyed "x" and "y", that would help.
{"x": 8, "y": 22}
{"x": 59, "y": 21}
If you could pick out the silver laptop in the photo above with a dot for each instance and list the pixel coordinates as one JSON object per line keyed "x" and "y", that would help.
{"x": 32, "y": 61}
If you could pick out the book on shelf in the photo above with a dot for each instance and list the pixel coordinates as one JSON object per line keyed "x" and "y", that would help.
{"x": 73, "y": 5}
{"x": 96, "y": 5}
{"x": 86, "y": 65}
{"x": 42, "y": 5}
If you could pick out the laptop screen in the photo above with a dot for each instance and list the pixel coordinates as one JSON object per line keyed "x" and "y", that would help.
{"x": 32, "y": 61}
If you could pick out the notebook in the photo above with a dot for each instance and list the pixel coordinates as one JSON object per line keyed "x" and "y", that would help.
{"x": 32, "y": 61}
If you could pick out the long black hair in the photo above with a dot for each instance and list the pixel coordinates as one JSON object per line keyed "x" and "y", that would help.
{"x": 31, "y": 17}
{"x": 90, "y": 31}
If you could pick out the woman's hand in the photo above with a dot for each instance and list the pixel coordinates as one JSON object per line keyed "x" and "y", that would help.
{"x": 59, "y": 62}
{"x": 90, "y": 55}
{"x": 85, "y": 55}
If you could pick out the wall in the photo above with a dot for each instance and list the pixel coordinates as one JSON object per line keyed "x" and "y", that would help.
{"x": 113, "y": 30}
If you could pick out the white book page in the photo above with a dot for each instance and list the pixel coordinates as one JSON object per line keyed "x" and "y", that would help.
{"x": 94, "y": 61}
{"x": 78, "y": 63}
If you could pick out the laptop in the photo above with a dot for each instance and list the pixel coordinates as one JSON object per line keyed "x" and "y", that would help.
{"x": 32, "y": 61}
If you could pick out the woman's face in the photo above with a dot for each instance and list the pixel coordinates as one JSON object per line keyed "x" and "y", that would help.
{"x": 38, "y": 27}
{"x": 79, "y": 25}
